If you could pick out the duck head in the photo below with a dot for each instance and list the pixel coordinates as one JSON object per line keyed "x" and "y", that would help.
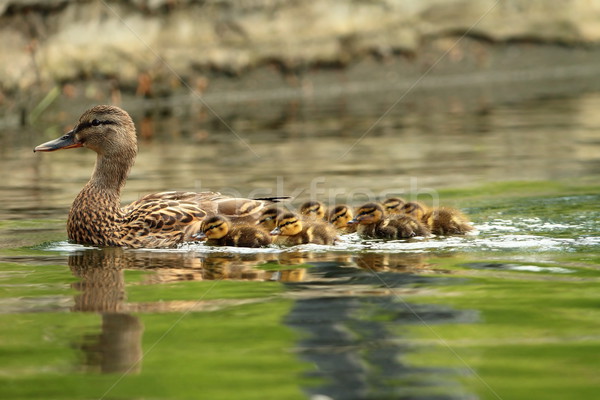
{"x": 414, "y": 209}
{"x": 340, "y": 216}
{"x": 268, "y": 218}
{"x": 313, "y": 209}
{"x": 369, "y": 213}
{"x": 108, "y": 130}
{"x": 393, "y": 205}
{"x": 213, "y": 228}
{"x": 289, "y": 224}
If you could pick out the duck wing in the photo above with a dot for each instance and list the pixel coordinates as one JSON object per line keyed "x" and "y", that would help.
{"x": 167, "y": 218}
{"x": 160, "y": 222}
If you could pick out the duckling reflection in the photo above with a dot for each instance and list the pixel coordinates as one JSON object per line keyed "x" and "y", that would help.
{"x": 398, "y": 262}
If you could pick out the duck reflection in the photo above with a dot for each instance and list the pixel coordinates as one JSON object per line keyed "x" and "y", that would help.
{"x": 117, "y": 347}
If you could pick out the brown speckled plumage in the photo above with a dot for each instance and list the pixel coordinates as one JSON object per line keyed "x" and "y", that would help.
{"x": 156, "y": 220}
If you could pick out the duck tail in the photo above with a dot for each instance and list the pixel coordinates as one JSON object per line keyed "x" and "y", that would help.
{"x": 274, "y": 199}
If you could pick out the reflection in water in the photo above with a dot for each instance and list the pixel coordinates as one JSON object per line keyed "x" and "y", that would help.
{"x": 399, "y": 262}
{"x": 356, "y": 343}
{"x": 118, "y": 346}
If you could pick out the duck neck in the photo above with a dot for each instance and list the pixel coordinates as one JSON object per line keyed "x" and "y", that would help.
{"x": 96, "y": 214}
{"x": 110, "y": 174}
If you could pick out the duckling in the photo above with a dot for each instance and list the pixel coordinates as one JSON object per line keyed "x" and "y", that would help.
{"x": 339, "y": 218}
{"x": 314, "y": 209}
{"x": 219, "y": 232}
{"x": 268, "y": 218}
{"x": 301, "y": 231}
{"x": 414, "y": 209}
{"x": 447, "y": 221}
{"x": 372, "y": 223}
{"x": 393, "y": 205}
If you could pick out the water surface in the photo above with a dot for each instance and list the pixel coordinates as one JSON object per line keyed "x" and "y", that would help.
{"x": 507, "y": 311}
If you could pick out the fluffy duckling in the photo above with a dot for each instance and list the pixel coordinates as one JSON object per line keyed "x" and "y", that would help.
{"x": 268, "y": 218}
{"x": 339, "y": 218}
{"x": 314, "y": 209}
{"x": 414, "y": 209}
{"x": 447, "y": 221}
{"x": 219, "y": 232}
{"x": 301, "y": 231}
{"x": 372, "y": 223}
{"x": 393, "y": 205}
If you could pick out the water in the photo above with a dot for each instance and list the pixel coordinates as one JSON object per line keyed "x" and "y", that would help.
{"x": 507, "y": 311}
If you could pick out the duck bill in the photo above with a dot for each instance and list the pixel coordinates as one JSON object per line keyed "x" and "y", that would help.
{"x": 352, "y": 222}
{"x": 66, "y": 141}
{"x": 199, "y": 236}
{"x": 275, "y": 232}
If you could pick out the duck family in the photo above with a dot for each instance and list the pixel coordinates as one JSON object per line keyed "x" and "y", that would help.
{"x": 166, "y": 219}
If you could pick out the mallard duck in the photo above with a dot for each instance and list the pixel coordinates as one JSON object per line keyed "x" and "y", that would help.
{"x": 156, "y": 220}
{"x": 297, "y": 230}
{"x": 268, "y": 218}
{"x": 339, "y": 218}
{"x": 314, "y": 209}
{"x": 372, "y": 223}
{"x": 447, "y": 221}
{"x": 219, "y": 231}
{"x": 393, "y": 205}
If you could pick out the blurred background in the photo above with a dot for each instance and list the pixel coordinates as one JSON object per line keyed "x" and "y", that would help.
{"x": 269, "y": 95}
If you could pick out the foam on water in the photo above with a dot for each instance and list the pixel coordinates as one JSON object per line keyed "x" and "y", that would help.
{"x": 531, "y": 234}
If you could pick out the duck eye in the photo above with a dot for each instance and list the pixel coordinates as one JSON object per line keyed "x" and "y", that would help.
{"x": 96, "y": 122}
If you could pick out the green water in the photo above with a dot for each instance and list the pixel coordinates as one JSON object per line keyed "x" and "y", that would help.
{"x": 510, "y": 312}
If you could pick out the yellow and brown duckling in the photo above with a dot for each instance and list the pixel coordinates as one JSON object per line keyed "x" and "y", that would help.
{"x": 415, "y": 209}
{"x": 315, "y": 210}
{"x": 447, "y": 221}
{"x": 339, "y": 217}
{"x": 268, "y": 218}
{"x": 156, "y": 220}
{"x": 218, "y": 231}
{"x": 393, "y": 205}
{"x": 372, "y": 223}
{"x": 297, "y": 230}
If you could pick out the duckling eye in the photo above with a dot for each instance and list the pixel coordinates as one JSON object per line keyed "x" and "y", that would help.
{"x": 95, "y": 122}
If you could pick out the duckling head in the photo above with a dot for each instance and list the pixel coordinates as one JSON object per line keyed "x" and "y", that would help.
{"x": 289, "y": 224}
{"x": 214, "y": 228}
{"x": 393, "y": 205}
{"x": 413, "y": 209}
{"x": 313, "y": 209}
{"x": 369, "y": 213}
{"x": 340, "y": 216}
{"x": 107, "y": 130}
{"x": 268, "y": 218}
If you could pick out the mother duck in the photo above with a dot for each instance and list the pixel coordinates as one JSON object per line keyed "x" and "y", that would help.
{"x": 156, "y": 220}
